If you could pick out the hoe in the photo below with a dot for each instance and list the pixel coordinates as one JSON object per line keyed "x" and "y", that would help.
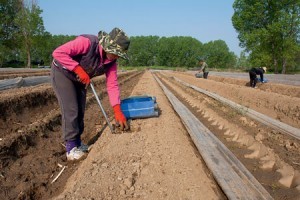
{"x": 103, "y": 111}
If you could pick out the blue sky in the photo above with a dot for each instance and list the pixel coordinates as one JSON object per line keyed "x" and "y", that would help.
{"x": 205, "y": 20}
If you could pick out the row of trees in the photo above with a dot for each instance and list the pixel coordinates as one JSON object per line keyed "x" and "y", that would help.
{"x": 23, "y": 38}
{"x": 269, "y": 30}
{"x": 178, "y": 52}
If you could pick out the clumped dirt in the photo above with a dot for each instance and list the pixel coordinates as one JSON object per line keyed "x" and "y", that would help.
{"x": 156, "y": 159}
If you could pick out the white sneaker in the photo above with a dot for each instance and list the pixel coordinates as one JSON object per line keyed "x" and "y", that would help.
{"x": 75, "y": 154}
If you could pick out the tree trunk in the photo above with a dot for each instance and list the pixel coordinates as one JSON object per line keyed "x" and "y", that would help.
{"x": 275, "y": 66}
{"x": 274, "y": 59}
{"x": 28, "y": 59}
{"x": 28, "y": 52}
{"x": 283, "y": 66}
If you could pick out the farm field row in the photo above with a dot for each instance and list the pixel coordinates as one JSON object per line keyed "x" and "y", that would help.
{"x": 156, "y": 159}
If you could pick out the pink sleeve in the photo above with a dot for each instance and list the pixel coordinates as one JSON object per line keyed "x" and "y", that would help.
{"x": 112, "y": 85}
{"x": 64, "y": 53}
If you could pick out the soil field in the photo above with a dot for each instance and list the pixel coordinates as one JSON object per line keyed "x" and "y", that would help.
{"x": 156, "y": 159}
{"x": 8, "y": 73}
{"x": 287, "y": 79}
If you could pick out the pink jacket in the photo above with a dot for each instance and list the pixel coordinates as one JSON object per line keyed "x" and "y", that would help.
{"x": 81, "y": 45}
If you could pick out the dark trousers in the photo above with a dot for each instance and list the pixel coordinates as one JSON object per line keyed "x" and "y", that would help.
{"x": 205, "y": 74}
{"x": 71, "y": 97}
{"x": 253, "y": 79}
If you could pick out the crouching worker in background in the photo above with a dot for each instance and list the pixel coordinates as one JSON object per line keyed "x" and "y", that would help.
{"x": 253, "y": 75}
{"x": 203, "y": 68}
{"x": 74, "y": 64}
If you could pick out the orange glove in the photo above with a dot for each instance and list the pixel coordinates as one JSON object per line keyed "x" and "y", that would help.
{"x": 120, "y": 118}
{"x": 82, "y": 75}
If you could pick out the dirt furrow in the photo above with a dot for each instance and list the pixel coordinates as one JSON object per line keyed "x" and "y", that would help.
{"x": 257, "y": 146}
{"x": 9, "y": 75}
{"x": 280, "y": 106}
{"x": 31, "y": 145}
{"x": 157, "y": 159}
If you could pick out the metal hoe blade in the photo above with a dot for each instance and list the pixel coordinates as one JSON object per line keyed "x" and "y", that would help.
{"x": 103, "y": 111}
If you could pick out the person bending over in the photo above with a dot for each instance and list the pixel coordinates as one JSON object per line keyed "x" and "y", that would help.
{"x": 203, "y": 68}
{"x": 74, "y": 64}
{"x": 253, "y": 75}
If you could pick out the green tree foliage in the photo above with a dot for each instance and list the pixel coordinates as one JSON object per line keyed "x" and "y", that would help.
{"x": 40, "y": 49}
{"x": 175, "y": 52}
{"x": 30, "y": 26}
{"x": 22, "y": 34}
{"x": 217, "y": 54}
{"x": 243, "y": 61}
{"x": 165, "y": 51}
{"x": 45, "y": 44}
{"x": 142, "y": 50}
{"x": 269, "y": 30}
{"x": 8, "y": 29}
{"x": 179, "y": 52}
{"x": 24, "y": 27}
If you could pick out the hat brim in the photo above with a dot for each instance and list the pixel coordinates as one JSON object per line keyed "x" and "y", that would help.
{"x": 118, "y": 53}
{"x": 110, "y": 46}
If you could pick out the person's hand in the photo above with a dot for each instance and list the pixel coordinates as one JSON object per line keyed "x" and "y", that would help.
{"x": 82, "y": 76}
{"x": 120, "y": 118}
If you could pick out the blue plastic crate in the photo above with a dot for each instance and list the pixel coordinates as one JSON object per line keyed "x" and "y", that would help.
{"x": 199, "y": 75}
{"x": 259, "y": 80}
{"x": 139, "y": 107}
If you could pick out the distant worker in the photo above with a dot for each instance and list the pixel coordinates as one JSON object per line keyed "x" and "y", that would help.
{"x": 41, "y": 64}
{"x": 253, "y": 75}
{"x": 74, "y": 64}
{"x": 203, "y": 68}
